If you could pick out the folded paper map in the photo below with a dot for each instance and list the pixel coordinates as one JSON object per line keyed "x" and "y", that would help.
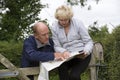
{"x": 45, "y": 67}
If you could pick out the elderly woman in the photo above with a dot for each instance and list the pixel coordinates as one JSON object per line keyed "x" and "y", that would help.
{"x": 70, "y": 35}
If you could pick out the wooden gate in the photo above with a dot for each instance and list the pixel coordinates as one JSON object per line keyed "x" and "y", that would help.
{"x": 21, "y": 73}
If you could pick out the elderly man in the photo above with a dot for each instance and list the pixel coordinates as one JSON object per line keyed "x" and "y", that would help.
{"x": 38, "y": 47}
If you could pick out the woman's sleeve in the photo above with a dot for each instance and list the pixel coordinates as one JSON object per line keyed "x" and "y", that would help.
{"x": 85, "y": 38}
{"x": 57, "y": 45}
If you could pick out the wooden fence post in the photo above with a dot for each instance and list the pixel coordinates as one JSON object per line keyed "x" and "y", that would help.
{"x": 97, "y": 56}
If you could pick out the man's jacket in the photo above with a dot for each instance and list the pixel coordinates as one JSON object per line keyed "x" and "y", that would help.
{"x": 32, "y": 56}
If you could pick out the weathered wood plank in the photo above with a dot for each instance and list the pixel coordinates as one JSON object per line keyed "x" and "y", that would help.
{"x": 5, "y": 73}
{"x": 30, "y": 70}
{"x": 11, "y": 67}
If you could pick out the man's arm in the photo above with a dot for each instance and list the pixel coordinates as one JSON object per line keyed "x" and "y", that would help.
{"x": 34, "y": 55}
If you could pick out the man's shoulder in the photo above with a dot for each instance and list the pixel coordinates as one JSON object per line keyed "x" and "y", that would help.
{"x": 30, "y": 38}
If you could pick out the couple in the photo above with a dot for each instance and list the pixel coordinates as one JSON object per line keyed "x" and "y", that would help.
{"x": 68, "y": 35}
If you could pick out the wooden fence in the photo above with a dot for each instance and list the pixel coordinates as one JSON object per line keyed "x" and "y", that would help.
{"x": 21, "y": 73}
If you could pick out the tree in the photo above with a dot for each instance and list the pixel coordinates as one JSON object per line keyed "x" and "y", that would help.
{"x": 111, "y": 46}
{"x": 98, "y": 33}
{"x": 114, "y": 63}
{"x": 77, "y": 2}
{"x": 17, "y": 19}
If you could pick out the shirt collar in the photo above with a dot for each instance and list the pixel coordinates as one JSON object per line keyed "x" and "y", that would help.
{"x": 39, "y": 45}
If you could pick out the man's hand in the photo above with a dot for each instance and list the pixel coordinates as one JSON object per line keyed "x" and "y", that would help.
{"x": 58, "y": 56}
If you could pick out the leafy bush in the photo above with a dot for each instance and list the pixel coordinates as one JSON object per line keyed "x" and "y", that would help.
{"x": 12, "y": 51}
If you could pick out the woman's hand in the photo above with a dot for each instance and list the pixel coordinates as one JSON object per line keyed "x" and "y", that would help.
{"x": 82, "y": 55}
{"x": 66, "y": 54}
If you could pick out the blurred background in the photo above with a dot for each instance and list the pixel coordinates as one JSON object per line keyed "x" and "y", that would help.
{"x": 101, "y": 18}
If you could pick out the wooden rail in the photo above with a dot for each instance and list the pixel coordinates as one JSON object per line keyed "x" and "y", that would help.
{"x": 5, "y": 73}
{"x": 21, "y": 73}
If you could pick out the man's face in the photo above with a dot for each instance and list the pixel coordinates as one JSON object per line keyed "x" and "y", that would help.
{"x": 43, "y": 35}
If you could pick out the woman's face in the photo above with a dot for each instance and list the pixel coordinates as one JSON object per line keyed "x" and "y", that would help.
{"x": 64, "y": 22}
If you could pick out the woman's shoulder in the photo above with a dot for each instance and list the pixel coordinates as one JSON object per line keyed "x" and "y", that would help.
{"x": 78, "y": 23}
{"x": 55, "y": 25}
{"x": 76, "y": 20}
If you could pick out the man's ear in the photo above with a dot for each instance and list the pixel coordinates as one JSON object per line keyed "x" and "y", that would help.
{"x": 35, "y": 35}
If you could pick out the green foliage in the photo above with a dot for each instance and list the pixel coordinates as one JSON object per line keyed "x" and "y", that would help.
{"x": 114, "y": 60}
{"x": 18, "y": 18}
{"x": 116, "y": 33}
{"x": 111, "y": 45}
{"x": 9, "y": 78}
{"x": 11, "y": 50}
{"x": 98, "y": 34}
{"x": 85, "y": 75}
{"x": 81, "y": 2}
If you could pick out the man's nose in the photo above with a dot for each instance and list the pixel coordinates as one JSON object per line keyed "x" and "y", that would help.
{"x": 47, "y": 35}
